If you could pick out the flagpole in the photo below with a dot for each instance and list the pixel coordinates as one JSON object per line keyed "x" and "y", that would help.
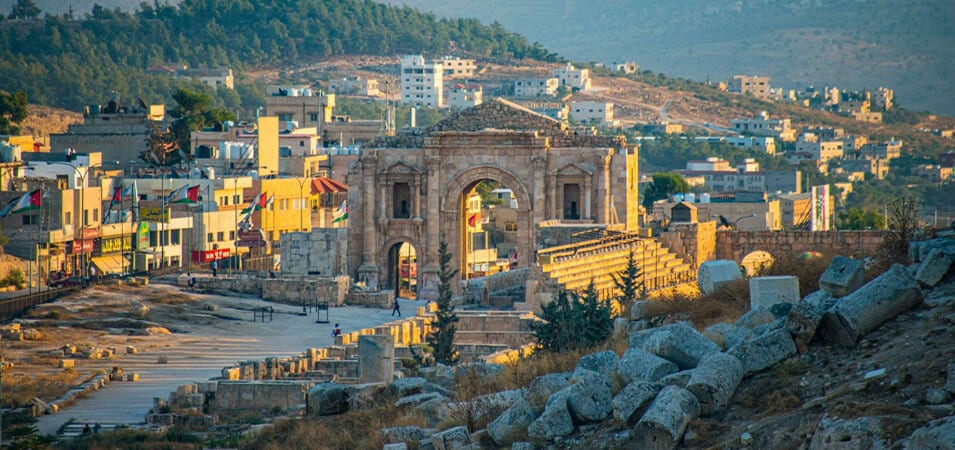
{"x": 162, "y": 218}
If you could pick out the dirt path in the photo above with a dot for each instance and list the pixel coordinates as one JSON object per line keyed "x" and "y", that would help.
{"x": 207, "y": 333}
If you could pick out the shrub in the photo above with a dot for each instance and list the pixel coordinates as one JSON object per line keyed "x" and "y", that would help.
{"x": 572, "y": 321}
{"x": 16, "y": 278}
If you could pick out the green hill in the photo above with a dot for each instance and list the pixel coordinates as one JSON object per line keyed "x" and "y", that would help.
{"x": 66, "y": 61}
{"x": 902, "y": 44}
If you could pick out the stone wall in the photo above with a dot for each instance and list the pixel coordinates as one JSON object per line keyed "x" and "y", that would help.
{"x": 735, "y": 245}
{"x": 232, "y": 398}
{"x": 321, "y": 252}
{"x": 479, "y": 290}
{"x": 695, "y": 243}
{"x": 554, "y": 233}
{"x": 288, "y": 290}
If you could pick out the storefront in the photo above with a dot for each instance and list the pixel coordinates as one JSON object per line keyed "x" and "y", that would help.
{"x": 113, "y": 254}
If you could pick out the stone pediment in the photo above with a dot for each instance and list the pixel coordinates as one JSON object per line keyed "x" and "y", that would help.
{"x": 400, "y": 168}
{"x": 572, "y": 170}
{"x": 498, "y": 114}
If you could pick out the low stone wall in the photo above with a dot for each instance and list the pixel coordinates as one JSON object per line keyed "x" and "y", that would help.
{"x": 371, "y": 299}
{"x": 233, "y": 398}
{"x": 286, "y": 290}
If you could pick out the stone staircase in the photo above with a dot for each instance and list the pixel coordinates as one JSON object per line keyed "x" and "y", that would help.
{"x": 573, "y": 266}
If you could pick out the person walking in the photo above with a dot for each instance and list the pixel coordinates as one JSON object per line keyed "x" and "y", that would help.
{"x": 396, "y": 308}
{"x": 215, "y": 267}
{"x": 337, "y": 331}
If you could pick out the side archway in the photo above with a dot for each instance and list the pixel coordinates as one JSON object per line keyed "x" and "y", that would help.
{"x": 398, "y": 259}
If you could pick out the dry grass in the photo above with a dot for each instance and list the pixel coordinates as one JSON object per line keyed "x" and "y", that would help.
{"x": 20, "y": 388}
{"x": 724, "y": 305}
{"x": 168, "y": 298}
{"x": 808, "y": 270}
{"x": 354, "y": 429}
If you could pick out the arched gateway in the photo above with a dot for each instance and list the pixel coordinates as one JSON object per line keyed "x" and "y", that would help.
{"x": 411, "y": 187}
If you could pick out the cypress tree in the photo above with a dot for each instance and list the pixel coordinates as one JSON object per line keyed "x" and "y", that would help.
{"x": 443, "y": 327}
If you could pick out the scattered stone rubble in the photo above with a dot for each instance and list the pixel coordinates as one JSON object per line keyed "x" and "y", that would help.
{"x": 672, "y": 374}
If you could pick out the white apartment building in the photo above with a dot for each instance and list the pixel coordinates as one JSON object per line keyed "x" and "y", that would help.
{"x": 764, "y": 126}
{"x": 573, "y": 77}
{"x": 587, "y": 112}
{"x": 760, "y": 143}
{"x": 720, "y": 177}
{"x": 536, "y": 87}
{"x": 422, "y": 81}
{"x": 465, "y": 95}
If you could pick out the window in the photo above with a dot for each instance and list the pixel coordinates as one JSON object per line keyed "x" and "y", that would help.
{"x": 68, "y": 218}
{"x": 30, "y": 220}
{"x": 175, "y": 238}
{"x": 164, "y": 238}
{"x": 220, "y": 236}
{"x": 209, "y": 237}
{"x": 86, "y": 217}
{"x": 313, "y": 117}
{"x": 232, "y": 235}
{"x": 95, "y": 213}
{"x": 510, "y": 226}
{"x": 153, "y": 238}
{"x": 236, "y": 200}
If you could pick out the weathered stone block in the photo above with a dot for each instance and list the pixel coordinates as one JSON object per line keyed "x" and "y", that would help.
{"x": 451, "y": 439}
{"x": 821, "y": 301}
{"x": 933, "y": 269}
{"x": 680, "y": 344}
{"x": 763, "y": 351}
{"x": 543, "y": 387}
{"x": 642, "y": 309}
{"x": 406, "y": 434}
{"x": 589, "y": 399}
{"x": 554, "y": 422}
{"x": 755, "y": 317}
{"x": 714, "y": 381}
{"x": 848, "y": 434}
{"x": 938, "y": 434}
{"x": 843, "y": 276}
{"x": 604, "y": 363}
{"x": 665, "y": 421}
{"x": 629, "y": 404}
{"x": 713, "y": 274}
{"x": 376, "y": 358}
{"x": 950, "y": 382}
{"x": 640, "y": 365}
{"x": 885, "y": 297}
{"x": 512, "y": 423}
{"x": 802, "y": 321}
{"x": 327, "y": 399}
{"x": 765, "y": 292}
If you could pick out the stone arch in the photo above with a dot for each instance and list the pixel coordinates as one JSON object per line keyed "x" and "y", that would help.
{"x": 386, "y": 263}
{"x": 452, "y": 204}
{"x": 755, "y": 261}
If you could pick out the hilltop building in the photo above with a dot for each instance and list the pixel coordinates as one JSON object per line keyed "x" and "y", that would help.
{"x": 422, "y": 81}
{"x": 753, "y": 85}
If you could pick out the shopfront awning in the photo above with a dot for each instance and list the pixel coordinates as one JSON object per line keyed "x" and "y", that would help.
{"x": 110, "y": 264}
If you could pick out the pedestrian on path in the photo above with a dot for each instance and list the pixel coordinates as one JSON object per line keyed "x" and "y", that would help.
{"x": 215, "y": 267}
{"x": 396, "y": 308}
{"x": 337, "y": 331}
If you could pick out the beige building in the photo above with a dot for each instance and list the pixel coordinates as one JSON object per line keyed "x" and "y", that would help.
{"x": 795, "y": 210}
{"x": 422, "y": 81}
{"x": 592, "y": 112}
{"x": 762, "y": 144}
{"x": 457, "y": 68}
{"x": 212, "y": 77}
{"x": 573, "y": 77}
{"x": 628, "y": 67}
{"x": 932, "y": 173}
{"x": 819, "y": 149}
{"x": 465, "y": 95}
{"x": 746, "y": 216}
{"x": 753, "y": 85}
{"x": 882, "y": 150}
{"x": 300, "y": 104}
{"x": 764, "y": 126}
{"x": 535, "y": 87}
{"x": 366, "y": 87}
{"x": 720, "y": 177}
{"x": 876, "y": 167}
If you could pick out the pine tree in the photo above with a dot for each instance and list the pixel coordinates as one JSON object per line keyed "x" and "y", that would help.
{"x": 629, "y": 282}
{"x": 594, "y": 321}
{"x": 552, "y": 333}
{"x": 443, "y": 327}
{"x": 574, "y": 321}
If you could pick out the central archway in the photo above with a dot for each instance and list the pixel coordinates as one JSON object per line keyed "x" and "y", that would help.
{"x": 458, "y": 232}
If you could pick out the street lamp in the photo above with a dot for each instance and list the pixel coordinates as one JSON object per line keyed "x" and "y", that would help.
{"x": 741, "y": 218}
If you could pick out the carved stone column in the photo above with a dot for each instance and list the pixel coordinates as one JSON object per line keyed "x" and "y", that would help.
{"x": 539, "y": 163}
{"x": 416, "y": 195}
{"x": 588, "y": 196}
{"x": 554, "y": 197}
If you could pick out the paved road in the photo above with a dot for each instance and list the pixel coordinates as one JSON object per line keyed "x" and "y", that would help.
{"x": 204, "y": 351}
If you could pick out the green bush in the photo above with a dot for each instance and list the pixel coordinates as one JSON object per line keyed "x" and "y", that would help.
{"x": 574, "y": 321}
{"x": 16, "y": 278}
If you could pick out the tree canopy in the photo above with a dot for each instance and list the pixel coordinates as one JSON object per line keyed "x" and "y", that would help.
{"x": 662, "y": 186}
{"x": 71, "y": 62}
{"x": 13, "y": 109}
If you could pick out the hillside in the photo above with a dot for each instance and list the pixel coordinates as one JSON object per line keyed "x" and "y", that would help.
{"x": 849, "y": 43}
{"x": 72, "y": 62}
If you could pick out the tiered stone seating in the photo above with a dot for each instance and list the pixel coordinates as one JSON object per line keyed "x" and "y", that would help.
{"x": 574, "y": 266}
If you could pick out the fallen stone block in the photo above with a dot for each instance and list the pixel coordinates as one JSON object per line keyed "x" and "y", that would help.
{"x": 522, "y": 446}
{"x": 843, "y": 434}
{"x": 435, "y": 410}
{"x": 589, "y": 398}
{"x": 66, "y": 363}
{"x": 937, "y": 435}
{"x": 755, "y": 317}
{"x": 885, "y": 297}
{"x": 803, "y": 320}
{"x": 950, "y": 382}
{"x": 602, "y": 362}
{"x": 843, "y": 276}
{"x": 767, "y": 291}
{"x": 680, "y": 344}
{"x": 395, "y": 446}
{"x": 451, "y": 439}
{"x": 678, "y": 379}
{"x": 761, "y": 352}
{"x": 821, "y": 301}
{"x": 935, "y": 396}
{"x": 554, "y": 422}
{"x": 326, "y": 399}
{"x": 631, "y": 401}
{"x": 543, "y": 387}
{"x": 406, "y": 434}
{"x": 714, "y": 381}
{"x": 718, "y": 333}
{"x": 933, "y": 269}
{"x": 665, "y": 421}
{"x": 713, "y": 274}
{"x": 640, "y": 365}
{"x": 642, "y": 309}
{"x": 512, "y": 423}
{"x": 417, "y": 399}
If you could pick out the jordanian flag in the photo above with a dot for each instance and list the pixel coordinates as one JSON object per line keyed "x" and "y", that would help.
{"x": 342, "y": 213}
{"x": 185, "y": 194}
{"x": 27, "y": 202}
